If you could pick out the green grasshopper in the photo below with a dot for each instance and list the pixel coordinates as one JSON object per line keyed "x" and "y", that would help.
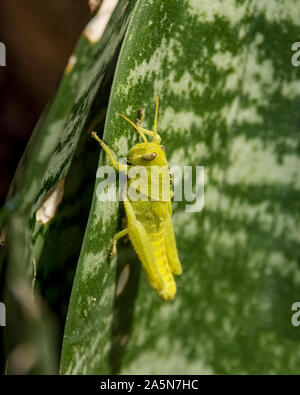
{"x": 149, "y": 221}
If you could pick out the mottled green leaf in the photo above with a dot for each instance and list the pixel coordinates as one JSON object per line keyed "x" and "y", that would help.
{"x": 230, "y": 102}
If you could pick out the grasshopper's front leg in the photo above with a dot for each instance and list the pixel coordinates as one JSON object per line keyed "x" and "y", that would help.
{"x": 150, "y": 133}
{"x": 116, "y": 164}
{"x": 142, "y": 131}
{"x": 117, "y": 236}
{"x": 119, "y": 167}
{"x": 141, "y": 118}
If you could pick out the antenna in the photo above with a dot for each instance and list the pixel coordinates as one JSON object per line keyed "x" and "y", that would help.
{"x": 155, "y": 121}
{"x": 136, "y": 127}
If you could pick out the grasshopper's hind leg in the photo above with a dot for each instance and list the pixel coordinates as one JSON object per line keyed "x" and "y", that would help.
{"x": 117, "y": 236}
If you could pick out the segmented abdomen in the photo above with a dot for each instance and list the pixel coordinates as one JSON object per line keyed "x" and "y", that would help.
{"x": 167, "y": 288}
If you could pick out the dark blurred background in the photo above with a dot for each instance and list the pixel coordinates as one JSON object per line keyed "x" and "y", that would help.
{"x": 39, "y": 36}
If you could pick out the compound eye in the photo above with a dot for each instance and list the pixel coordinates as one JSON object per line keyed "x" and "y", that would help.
{"x": 150, "y": 156}
{"x": 162, "y": 148}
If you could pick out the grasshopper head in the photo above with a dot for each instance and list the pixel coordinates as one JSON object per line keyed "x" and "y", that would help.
{"x": 147, "y": 154}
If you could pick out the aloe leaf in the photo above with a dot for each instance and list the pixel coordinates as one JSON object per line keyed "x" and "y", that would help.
{"x": 59, "y": 161}
{"x": 229, "y": 102}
